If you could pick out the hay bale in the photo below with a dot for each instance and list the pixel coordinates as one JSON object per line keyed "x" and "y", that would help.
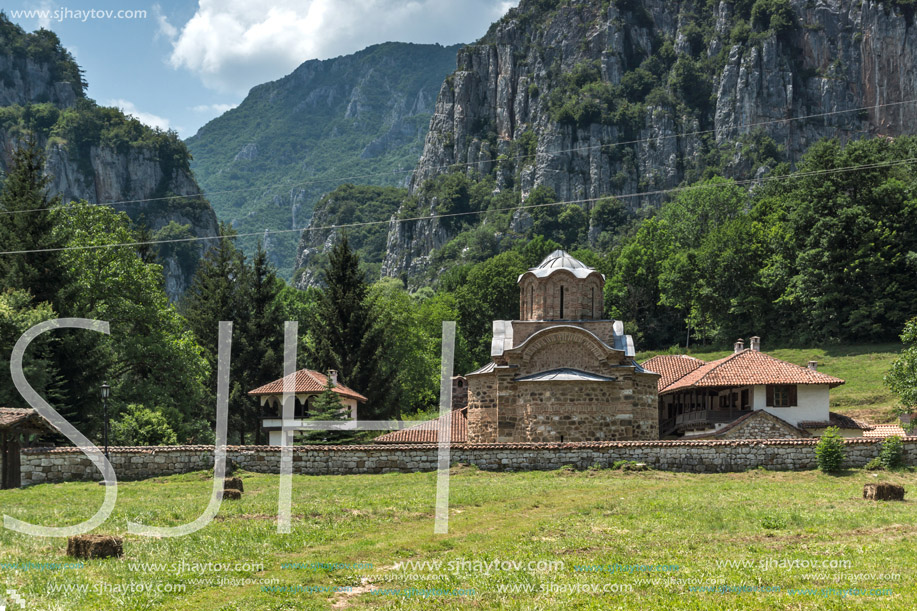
{"x": 95, "y": 546}
{"x": 232, "y": 495}
{"x": 883, "y": 492}
{"x": 233, "y": 483}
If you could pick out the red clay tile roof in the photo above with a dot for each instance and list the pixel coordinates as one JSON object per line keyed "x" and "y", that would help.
{"x": 839, "y": 420}
{"x": 428, "y": 431}
{"x": 885, "y": 430}
{"x": 671, "y": 367}
{"x": 306, "y": 381}
{"x": 750, "y": 367}
{"x": 14, "y": 416}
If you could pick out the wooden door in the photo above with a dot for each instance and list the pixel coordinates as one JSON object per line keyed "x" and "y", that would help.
{"x": 9, "y": 447}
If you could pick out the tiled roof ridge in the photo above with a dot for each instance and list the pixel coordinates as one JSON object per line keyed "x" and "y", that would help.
{"x": 455, "y": 420}
{"x": 664, "y": 357}
{"x": 702, "y": 371}
{"x": 720, "y": 362}
{"x": 801, "y": 367}
{"x": 751, "y": 364}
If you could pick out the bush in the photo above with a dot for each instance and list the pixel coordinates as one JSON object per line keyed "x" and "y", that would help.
{"x": 141, "y": 426}
{"x": 829, "y": 453}
{"x": 875, "y": 464}
{"x": 775, "y": 15}
{"x": 892, "y": 454}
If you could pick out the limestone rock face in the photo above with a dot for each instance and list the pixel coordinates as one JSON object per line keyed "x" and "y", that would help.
{"x": 855, "y": 60}
{"x": 28, "y": 81}
{"x": 132, "y": 180}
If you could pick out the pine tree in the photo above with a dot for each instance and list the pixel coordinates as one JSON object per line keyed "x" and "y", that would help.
{"x": 348, "y": 335}
{"x": 26, "y": 225}
{"x": 214, "y": 296}
{"x": 327, "y": 406}
{"x": 260, "y": 337}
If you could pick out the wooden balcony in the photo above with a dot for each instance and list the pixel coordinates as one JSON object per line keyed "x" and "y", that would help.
{"x": 702, "y": 418}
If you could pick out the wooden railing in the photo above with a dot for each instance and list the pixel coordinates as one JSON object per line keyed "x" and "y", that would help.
{"x": 708, "y": 416}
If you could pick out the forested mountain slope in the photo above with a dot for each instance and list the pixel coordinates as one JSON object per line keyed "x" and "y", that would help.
{"x": 356, "y": 118}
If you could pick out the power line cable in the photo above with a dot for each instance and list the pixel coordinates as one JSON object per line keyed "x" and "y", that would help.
{"x": 786, "y": 178}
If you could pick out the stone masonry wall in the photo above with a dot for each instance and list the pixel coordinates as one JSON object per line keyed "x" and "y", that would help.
{"x": 539, "y": 298}
{"x": 708, "y": 456}
{"x": 762, "y": 425}
{"x": 524, "y": 329}
{"x": 482, "y": 424}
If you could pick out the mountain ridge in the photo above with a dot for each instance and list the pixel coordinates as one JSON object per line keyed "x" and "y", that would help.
{"x": 538, "y": 104}
{"x": 292, "y": 140}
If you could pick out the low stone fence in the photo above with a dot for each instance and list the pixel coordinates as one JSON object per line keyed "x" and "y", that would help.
{"x": 706, "y": 456}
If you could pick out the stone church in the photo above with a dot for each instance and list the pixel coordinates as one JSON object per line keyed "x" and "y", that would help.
{"x": 561, "y": 372}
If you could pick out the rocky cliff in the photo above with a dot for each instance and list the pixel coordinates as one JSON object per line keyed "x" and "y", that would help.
{"x": 596, "y": 98}
{"x": 95, "y": 153}
{"x": 348, "y": 207}
{"x": 357, "y": 118}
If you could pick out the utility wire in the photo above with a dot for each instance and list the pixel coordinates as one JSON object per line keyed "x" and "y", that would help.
{"x": 766, "y": 179}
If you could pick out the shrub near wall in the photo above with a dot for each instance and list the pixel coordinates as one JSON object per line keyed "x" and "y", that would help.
{"x": 68, "y": 464}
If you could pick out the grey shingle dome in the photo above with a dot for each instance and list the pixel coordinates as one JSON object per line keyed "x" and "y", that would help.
{"x": 561, "y": 259}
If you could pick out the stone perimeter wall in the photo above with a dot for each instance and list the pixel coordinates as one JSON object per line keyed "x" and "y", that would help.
{"x": 68, "y": 464}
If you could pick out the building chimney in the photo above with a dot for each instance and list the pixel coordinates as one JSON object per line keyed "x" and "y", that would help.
{"x": 813, "y": 365}
{"x": 333, "y": 374}
{"x": 756, "y": 343}
{"x": 740, "y": 345}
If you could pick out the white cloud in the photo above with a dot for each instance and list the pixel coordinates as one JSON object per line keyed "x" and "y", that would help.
{"x": 213, "y": 108}
{"x": 233, "y": 45}
{"x": 150, "y": 119}
{"x": 163, "y": 27}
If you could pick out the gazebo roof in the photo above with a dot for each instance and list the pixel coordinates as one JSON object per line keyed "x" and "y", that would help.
{"x": 305, "y": 381}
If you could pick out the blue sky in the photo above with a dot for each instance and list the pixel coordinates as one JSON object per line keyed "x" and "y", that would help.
{"x": 176, "y": 64}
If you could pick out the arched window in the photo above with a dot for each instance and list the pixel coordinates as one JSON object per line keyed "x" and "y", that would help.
{"x": 561, "y": 302}
{"x": 531, "y": 302}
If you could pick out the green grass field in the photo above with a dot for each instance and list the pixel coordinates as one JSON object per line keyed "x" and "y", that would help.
{"x": 801, "y": 540}
{"x": 864, "y": 395}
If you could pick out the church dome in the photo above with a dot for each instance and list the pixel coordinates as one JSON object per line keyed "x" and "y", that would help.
{"x": 575, "y": 293}
{"x": 557, "y": 260}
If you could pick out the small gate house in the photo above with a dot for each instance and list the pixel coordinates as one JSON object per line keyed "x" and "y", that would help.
{"x": 18, "y": 428}
{"x": 307, "y": 386}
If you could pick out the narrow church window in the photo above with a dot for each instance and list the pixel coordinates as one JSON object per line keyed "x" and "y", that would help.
{"x": 532, "y": 301}
{"x": 592, "y": 304}
{"x": 561, "y": 302}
